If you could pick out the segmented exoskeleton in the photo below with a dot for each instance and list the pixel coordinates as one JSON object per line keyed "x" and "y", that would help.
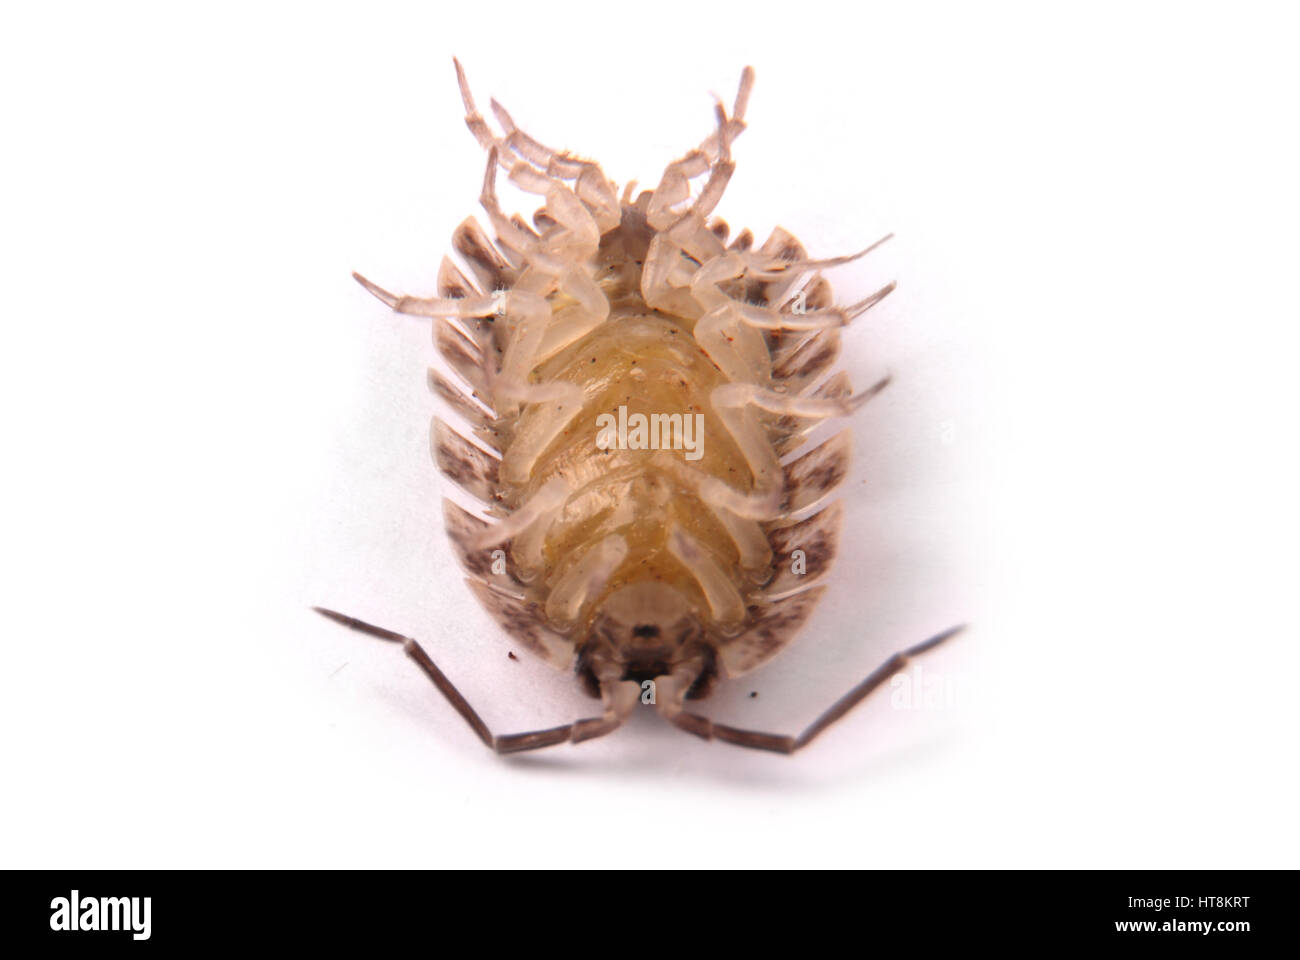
{"x": 664, "y": 556}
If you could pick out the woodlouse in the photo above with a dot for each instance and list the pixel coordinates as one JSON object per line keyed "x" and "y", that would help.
{"x": 640, "y": 391}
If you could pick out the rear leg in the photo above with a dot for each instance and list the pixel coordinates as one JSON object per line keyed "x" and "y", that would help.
{"x": 758, "y": 740}
{"x": 618, "y": 698}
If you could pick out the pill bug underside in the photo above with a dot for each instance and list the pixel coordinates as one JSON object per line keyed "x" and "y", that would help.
{"x": 640, "y": 395}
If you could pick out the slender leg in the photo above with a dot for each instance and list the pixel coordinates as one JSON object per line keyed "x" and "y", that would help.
{"x": 675, "y": 188}
{"x": 618, "y": 698}
{"x": 590, "y": 182}
{"x": 708, "y": 730}
{"x": 529, "y": 315}
{"x": 714, "y": 155}
{"x": 581, "y": 232}
{"x": 771, "y": 318}
{"x": 522, "y": 243}
{"x": 773, "y": 489}
{"x": 685, "y": 231}
{"x": 816, "y": 408}
{"x": 477, "y": 305}
{"x": 530, "y": 320}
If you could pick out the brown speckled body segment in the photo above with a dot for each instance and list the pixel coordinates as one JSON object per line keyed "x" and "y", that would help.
{"x": 694, "y": 559}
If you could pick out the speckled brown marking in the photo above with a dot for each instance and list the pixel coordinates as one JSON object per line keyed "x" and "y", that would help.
{"x": 801, "y": 367}
{"x": 451, "y": 281}
{"x": 464, "y": 356}
{"x": 450, "y": 394}
{"x": 815, "y": 474}
{"x": 525, "y": 622}
{"x": 780, "y": 246}
{"x": 489, "y": 267}
{"x": 817, "y": 536}
{"x": 474, "y": 470}
{"x": 773, "y": 626}
{"x": 464, "y": 529}
{"x": 790, "y": 433}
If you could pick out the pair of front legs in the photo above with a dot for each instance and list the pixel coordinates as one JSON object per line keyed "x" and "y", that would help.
{"x": 620, "y": 698}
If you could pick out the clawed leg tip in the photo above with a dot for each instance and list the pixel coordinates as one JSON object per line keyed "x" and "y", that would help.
{"x": 938, "y": 639}
{"x": 862, "y": 306}
{"x": 376, "y": 291}
{"x": 858, "y": 400}
{"x": 352, "y": 623}
{"x": 866, "y": 250}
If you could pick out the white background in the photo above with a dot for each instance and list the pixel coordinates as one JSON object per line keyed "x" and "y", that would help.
{"x": 1088, "y": 451}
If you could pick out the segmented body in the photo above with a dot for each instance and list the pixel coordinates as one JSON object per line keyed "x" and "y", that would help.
{"x": 682, "y": 552}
